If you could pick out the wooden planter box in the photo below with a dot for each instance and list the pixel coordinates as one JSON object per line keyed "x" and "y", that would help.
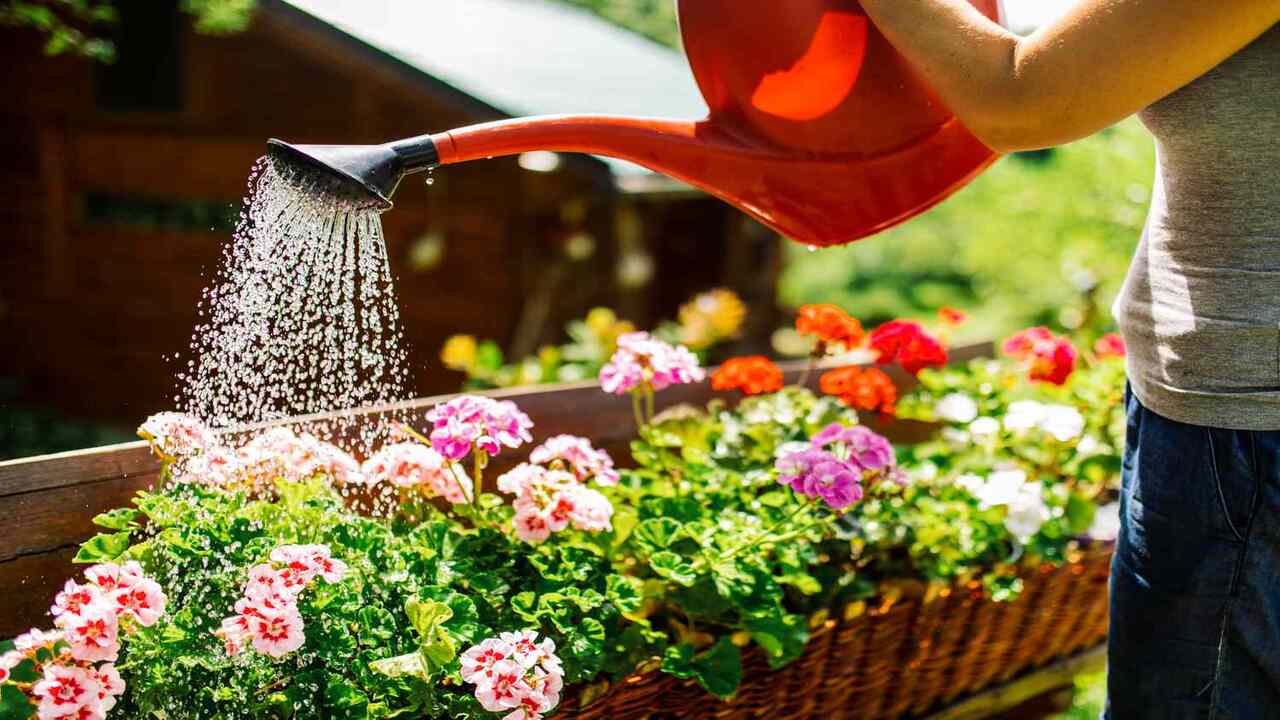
{"x": 899, "y": 656}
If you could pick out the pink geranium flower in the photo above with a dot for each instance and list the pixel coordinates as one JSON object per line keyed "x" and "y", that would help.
{"x": 414, "y": 465}
{"x": 471, "y": 422}
{"x": 73, "y": 597}
{"x": 310, "y": 561}
{"x": 642, "y": 358}
{"x": 276, "y": 631}
{"x": 144, "y": 601}
{"x": 583, "y": 460}
{"x": 517, "y": 672}
{"x": 175, "y": 436}
{"x": 92, "y": 632}
{"x": 111, "y": 576}
{"x": 66, "y": 691}
{"x": 478, "y": 661}
{"x": 548, "y": 501}
{"x": 110, "y": 685}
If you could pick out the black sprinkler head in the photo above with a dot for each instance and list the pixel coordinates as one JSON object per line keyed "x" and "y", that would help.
{"x": 372, "y": 169}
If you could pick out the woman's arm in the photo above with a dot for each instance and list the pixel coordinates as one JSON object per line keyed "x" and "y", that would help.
{"x": 1103, "y": 61}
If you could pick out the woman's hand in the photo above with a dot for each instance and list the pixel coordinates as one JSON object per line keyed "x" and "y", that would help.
{"x": 1101, "y": 62}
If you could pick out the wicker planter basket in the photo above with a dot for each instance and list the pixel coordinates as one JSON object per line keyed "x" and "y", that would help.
{"x": 898, "y": 659}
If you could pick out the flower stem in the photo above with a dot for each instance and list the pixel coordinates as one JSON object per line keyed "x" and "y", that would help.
{"x": 404, "y": 427}
{"x": 454, "y": 474}
{"x": 635, "y": 409}
{"x": 818, "y": 351}
{"x": 480, "y": 459}
{"x": 769, "y": 531}
{"x": 648, "y": 403}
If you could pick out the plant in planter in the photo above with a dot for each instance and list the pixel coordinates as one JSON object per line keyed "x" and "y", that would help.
{"x": 279, "y": 593}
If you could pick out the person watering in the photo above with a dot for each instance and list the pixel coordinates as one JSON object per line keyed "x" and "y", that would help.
{"x": 1195, "y": 580}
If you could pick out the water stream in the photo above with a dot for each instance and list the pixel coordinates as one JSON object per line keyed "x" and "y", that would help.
{"x": 302, "y": 317}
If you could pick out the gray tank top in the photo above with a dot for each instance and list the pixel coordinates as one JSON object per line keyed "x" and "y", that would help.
{"x": 1200, "y": 307}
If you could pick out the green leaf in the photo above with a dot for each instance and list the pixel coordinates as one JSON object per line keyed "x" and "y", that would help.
{"x": 657, "y": 533}
{"x": 718, "y": 669}
{"x": 103, "y": 547}
{"x": 407, "y": 665}
{"x": 14, "y": 704}
{"x": 434, "y": 641}
{"x": 344, "y": 700}
{"x": 780, "y": 635}
{"x": 624, "y": 592}
{"x": 672, "y": 567}
{"x": 118, "y": 519}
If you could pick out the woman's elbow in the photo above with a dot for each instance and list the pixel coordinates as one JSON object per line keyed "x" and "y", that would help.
{"x": 1022, "y": 123}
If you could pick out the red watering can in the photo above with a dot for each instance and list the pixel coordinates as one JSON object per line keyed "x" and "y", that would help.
{"x": 818, "y": 127}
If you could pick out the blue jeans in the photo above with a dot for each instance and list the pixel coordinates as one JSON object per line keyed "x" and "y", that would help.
{"x": 1195, "y": 582}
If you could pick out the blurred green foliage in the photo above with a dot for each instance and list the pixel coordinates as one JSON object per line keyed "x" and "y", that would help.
{"x": 655, "y": 19}
{"x": 81, "y": 27}
{"x": 1040, "y": 239}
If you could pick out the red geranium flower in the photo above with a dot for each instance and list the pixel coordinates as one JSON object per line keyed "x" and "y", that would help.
{"x": 829, "y": 324}
{"x": 1050, "y": 358}
{"x": 861, "y": 388}
{"x": 909, "y": 345}
{"x": 752, "y": 375}
{"x": 1109, "y": 345}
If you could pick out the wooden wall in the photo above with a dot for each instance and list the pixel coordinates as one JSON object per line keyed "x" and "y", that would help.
{"x": 89, "y": 310}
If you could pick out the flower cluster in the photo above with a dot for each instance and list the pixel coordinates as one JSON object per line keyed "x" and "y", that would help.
{"x": 515, "y": 672}
{"x": 578, "y": 456}
{"x": 1025, "y": 509}
{"x": 1063, "y": 422}
{"x": 1049, "y": 358}
{"x": 279, "y": 453}
{"x": 830, "y": 325}
{"x": 550, "y": 500}
{"x": 753, "y": 375}
{"x": 176, "y": 436}
{"x": 836, "y": 463}
{"x": 414, "y": 466}
{"x": 860, "y": 388}
{"x": 644, "y": 362}
{"x": 74, "y": 664}
{"x": 267, "y": 616}
{"x": 1110, "y": 345}
{"x": 711, "y": 317}
{"x": 195, "y": 455}
{"x": 907, "y": 344}
{"x": 472, "y": 422}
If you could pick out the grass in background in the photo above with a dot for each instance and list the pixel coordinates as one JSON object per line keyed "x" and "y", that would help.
{"x": 1026, "y": 243}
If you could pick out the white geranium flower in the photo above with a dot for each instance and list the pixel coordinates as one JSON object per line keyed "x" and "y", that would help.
{"x": 954, "y": 436}
{"x": 972, "y": 483}
{"x": 1062, "y": 422}
{"x": 1023, "y": 415}
{"x": 1001, "y": 488}
{"x": 1089, "y": 446}
{"x": 1106, "y": 523}
{"x": 789, "y": 448}
{"x": 1027, "y": 513}
{"x": 957, "y": 408}
{"x": 926, "y": 472}
{"x": 984, "y": 427}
